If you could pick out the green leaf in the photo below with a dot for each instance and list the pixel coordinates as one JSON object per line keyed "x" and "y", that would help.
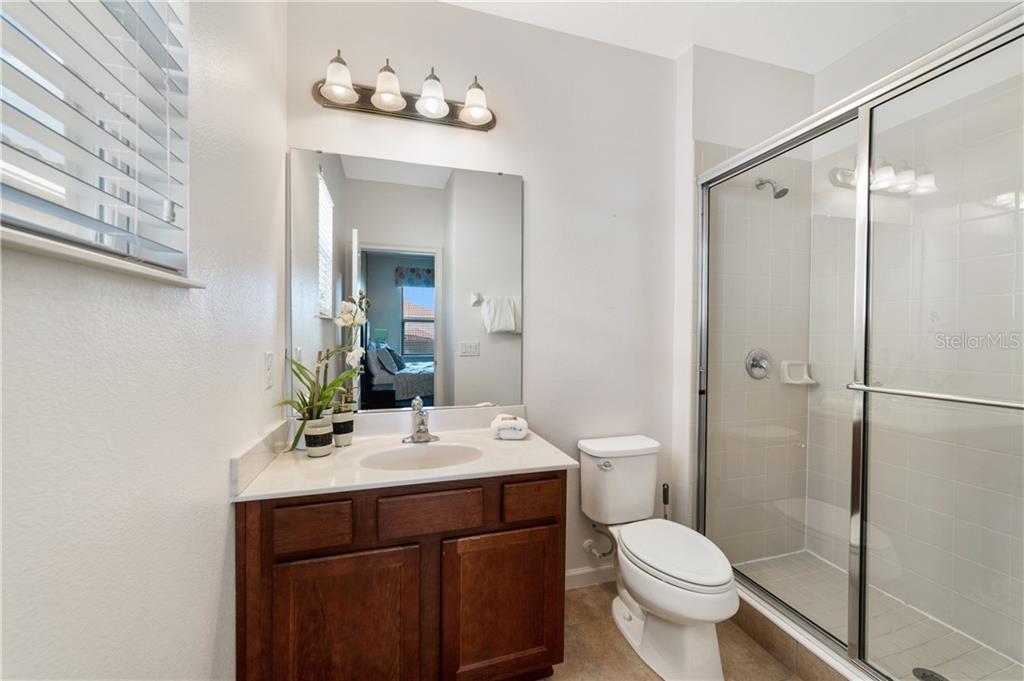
{"x": 298, "y": 436}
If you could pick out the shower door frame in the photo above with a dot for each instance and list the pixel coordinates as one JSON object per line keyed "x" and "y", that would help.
{"x": 993, "y": 34}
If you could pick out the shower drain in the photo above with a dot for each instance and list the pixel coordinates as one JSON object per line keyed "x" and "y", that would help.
{"x": 928, "y": 675}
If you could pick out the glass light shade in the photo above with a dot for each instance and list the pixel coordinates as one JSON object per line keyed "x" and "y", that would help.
{"x": 337, "y": 86}
{"x": 431, "y": 102}
{"x": 884, "y": 177}
{"x": 906, "y": 179}
{"x": 925, "y": 184}
{"x": 388, "y": 95}
{"x": 475, "y": 111}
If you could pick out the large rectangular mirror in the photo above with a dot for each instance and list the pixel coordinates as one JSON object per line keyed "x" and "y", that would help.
{"x": 438, "y": 253}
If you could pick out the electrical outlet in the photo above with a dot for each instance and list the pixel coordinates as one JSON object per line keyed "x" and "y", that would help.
{"x": 469, "y": 349}
{"x": 268, "y": 370}
{"x": 298, "y": 353}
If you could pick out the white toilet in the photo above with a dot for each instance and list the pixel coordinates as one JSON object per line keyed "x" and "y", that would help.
{"x": 674, "y": 584}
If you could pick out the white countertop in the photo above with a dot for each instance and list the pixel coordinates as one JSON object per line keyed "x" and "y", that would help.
{"x": 294, "y": 474}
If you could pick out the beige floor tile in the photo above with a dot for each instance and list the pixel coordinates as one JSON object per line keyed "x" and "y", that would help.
{"x": 596, "y": 651}
{"x": 1011, "y": 673}
{"x": 900, "y": 637}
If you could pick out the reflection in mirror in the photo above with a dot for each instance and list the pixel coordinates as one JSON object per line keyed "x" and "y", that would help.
{"x": 438, "y": 252}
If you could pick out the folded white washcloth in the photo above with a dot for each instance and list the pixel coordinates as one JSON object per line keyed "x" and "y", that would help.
{"x": 508, "y": 427}
{"x": 501, "y": 314}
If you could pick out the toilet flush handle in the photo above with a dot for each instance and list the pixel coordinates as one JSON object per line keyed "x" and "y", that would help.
{"x": 605, "y": 465}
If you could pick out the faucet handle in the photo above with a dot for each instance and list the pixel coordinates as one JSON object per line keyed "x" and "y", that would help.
{"x": 417, "y": 404}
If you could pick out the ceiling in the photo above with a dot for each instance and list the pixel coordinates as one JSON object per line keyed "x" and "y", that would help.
{"x": 806, "y": 36}
{"x": 395, "y": 172}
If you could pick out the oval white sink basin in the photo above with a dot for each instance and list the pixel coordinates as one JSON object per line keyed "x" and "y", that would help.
{"x": 417, "y": 457}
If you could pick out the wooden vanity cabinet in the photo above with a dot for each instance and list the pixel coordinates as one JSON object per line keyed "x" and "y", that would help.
{"x": 448, "y": 581}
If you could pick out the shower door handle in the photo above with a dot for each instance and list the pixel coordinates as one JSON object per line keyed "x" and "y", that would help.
{"x": 941, "y": 397}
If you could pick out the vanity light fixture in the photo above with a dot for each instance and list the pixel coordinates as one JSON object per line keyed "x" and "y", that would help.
{"x": 475, "y": 112}
{"x": 388, "y": 95}
{"x": 431, "y": 102}
{"x": 337, "y": 91}
{"x": 337, "y": 86}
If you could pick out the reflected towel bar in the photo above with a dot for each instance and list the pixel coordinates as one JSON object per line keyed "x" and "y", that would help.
{"x": 942, "y": 397}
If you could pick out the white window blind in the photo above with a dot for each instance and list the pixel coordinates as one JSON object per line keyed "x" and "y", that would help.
{"x": 325, "y": 248}
{"x": 95, "y": 118}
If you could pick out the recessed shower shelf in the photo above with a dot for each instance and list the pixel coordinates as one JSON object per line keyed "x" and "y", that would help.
{"x": 795, "y": 373}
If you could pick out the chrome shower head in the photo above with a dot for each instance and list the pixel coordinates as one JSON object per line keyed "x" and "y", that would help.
{"x": 778, "y": 191}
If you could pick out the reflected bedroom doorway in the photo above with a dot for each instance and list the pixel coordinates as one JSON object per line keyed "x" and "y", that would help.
{"x": 400, "y": 349}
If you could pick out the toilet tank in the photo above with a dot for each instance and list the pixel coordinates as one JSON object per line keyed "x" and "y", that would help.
{"x": 618, "y": 476}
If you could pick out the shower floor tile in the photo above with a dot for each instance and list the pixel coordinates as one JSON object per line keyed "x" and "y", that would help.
{"x": 900, "y": 637}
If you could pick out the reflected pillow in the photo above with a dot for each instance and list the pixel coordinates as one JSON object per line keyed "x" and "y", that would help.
{"x": 385, "y": 360}
{"x": 399, "y": 362}
{"x": 373, "y": 364}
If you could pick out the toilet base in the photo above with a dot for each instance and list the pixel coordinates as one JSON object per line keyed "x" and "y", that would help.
{"x": 676, "y": 652}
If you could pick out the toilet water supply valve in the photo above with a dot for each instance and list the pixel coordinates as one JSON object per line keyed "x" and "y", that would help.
{"x": 591, "y": 546}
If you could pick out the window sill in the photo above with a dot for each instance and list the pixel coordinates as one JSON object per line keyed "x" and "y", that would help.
{"x": 30, "y": 243}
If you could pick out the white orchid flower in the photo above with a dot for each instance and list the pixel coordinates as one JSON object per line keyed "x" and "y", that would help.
{"x": 345, "y": 319}
{"x": 360, "y": 318}
{"x": 354, "y": 356}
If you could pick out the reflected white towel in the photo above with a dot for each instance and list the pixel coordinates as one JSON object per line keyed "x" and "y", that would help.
{"x": 508, "y": 427}
{"x": 501, "y": 314}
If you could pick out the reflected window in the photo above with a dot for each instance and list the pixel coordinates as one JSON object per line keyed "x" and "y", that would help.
{"x": 418, "y": 321}
{"x": 325, "y": 248}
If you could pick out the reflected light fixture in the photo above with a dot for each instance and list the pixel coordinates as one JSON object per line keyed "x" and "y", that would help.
{"x": 925, "y": 183}
{"x": 906, "y": 179}
{"x": 883, "y": 177}
{"x": 431, "y": 102}
{"x": 388, "y": 95}
{"x": 337, "y": 86}
{"x": 475, "y": 111}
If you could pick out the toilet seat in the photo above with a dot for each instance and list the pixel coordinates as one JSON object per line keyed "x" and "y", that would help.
{"x": 676, "y": 555}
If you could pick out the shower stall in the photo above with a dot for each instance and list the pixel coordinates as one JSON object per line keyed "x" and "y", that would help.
{"x": 861, "y": 371}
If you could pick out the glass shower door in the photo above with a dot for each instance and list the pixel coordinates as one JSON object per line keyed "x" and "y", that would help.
{"x": 944, "y": 435}
{"x": 780, "y": 289}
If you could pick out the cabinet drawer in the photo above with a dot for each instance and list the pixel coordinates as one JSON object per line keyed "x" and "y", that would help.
{"x": 314, "y": 526}
{"x": 531, "y": 500}
{"x": 415, "y": 514}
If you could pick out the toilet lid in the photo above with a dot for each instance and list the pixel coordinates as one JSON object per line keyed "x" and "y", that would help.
{"x": 676, "y": 552}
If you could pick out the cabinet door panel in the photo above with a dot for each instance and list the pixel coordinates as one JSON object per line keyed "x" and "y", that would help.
{"x": 502, "y": 604}
{"x": 348, "y": 618}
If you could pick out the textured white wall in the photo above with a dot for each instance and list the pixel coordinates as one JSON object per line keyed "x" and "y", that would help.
{"x": 682, "y": 463}
{"x": 486, "y": 248}
{"x": 598, "y": 191}
{"x": 124, "y": 400}
{"x": 739, "y": 102}
{"x": 390, "y": 214}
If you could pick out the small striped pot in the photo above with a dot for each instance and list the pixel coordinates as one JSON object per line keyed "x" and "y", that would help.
{"x": 343, "y": 423}
{"x": 319, "y": 437}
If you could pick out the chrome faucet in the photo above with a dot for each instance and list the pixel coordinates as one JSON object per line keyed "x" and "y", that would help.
{"x": 420, "y": 430}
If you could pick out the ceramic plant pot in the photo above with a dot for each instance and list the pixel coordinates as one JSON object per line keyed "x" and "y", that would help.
{"x": 343, "y": 422}
{"x": 319, "y": 437}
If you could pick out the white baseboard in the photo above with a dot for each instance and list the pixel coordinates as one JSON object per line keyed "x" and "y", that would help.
{"x": 588, "y": 576}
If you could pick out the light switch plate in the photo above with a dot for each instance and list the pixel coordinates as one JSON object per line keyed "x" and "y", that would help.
{"x": 268, "y": 370}
{"x": 469, "y": 349}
